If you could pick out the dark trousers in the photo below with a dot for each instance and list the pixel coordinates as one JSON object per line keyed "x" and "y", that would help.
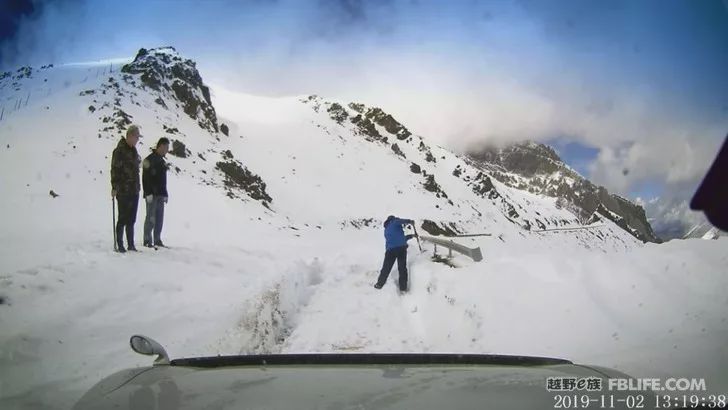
{"x": 127, "y": 205}
{"x": 154, "y": 220}
{"x": 400, "y": 255}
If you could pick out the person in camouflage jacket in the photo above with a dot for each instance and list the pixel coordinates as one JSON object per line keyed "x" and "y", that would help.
{"x": 125, "y": 162}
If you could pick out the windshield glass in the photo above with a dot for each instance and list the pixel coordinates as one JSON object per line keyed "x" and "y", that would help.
{"x": 235, "y": 178}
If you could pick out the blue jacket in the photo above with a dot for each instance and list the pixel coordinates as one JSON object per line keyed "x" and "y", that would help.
{"x": 394, "y": 234}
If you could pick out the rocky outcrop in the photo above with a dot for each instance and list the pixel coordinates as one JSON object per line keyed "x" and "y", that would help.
{"x": 240, "y": 179}
{"x": 179, "y": 149}
{"x": 377, "y": 126}
{"x": 435, "y": 229}
{"x": 397, "y": 150}
{"x": 365, "y": 118}
{"x": 367, "y": 129}
{"x": 338, "y": 113}
{"x": 432, "y": 186}
{"x": 385, "y": 120}
{"x": 164, "y": 71}
{"x": 528, "y": 159}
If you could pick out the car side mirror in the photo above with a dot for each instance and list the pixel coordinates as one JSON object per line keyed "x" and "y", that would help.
{"x": 149, "y": 347}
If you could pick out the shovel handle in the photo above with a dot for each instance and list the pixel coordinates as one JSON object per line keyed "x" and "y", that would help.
{"x": 417, "y": 236}
{"x": 113, "y": 221}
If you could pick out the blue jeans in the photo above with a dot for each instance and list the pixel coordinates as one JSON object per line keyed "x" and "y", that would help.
{"x": 154, "y": 219}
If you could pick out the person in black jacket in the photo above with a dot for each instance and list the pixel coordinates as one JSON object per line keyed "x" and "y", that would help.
{"x": 125, "y": 186}
{"x": 154, "y": 181}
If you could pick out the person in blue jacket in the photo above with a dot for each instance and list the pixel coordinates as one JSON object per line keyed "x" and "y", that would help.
{"x": 396, "y": 244}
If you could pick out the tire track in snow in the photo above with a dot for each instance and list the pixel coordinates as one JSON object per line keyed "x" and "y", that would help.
{"x": 270, "y": 318}
{"x": 414, "y": 301}
{"x": 348, "y": 314}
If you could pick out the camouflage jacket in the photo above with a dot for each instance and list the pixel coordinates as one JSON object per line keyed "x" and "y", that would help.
{"x": 125, "y": 163}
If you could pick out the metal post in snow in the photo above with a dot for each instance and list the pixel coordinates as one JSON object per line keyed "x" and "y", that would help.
{"x": 27, "y": 99}
{"x": 2, "y": 113}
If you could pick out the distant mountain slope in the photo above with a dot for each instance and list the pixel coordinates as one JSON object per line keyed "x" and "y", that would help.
{"x": 703, "y": 230}
{"x": 537, "y": 168}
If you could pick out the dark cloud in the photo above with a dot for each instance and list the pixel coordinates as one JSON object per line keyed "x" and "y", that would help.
{"x": 350, "y": 11}
{"x": 584, "y": 18}
{"x": 342, "y": 18}
{"x": 37, "y": 30}
{"x": 12, "y": 12}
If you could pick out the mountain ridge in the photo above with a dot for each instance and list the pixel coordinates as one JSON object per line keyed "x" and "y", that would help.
{"x": 165, "y": 94}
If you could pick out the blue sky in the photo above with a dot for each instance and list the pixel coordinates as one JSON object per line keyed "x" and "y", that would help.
{"x": 635, "y": 85}
{"x": 577, "y": 155}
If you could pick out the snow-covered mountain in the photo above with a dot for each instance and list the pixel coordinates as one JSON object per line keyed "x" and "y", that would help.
{"x": 703, "y": 230}
{"x": 673, "y": 219}
{"x": 274, "y": 219}
{"x": 164, "y": 93}
{"x": 537, "y": 168}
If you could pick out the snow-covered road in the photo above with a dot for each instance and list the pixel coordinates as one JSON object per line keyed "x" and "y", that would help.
{"x": 657, "y": 311}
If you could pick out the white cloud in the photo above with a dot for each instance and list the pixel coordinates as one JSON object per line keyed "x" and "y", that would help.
{"x": 671, "y": 218}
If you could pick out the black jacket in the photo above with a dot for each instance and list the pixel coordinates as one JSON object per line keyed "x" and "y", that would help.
{"x": 125, "y": 169}
{"x": 154, "y": 175}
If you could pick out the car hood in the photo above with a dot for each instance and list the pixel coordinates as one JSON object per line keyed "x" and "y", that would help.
{"x": 333, "y": 386}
